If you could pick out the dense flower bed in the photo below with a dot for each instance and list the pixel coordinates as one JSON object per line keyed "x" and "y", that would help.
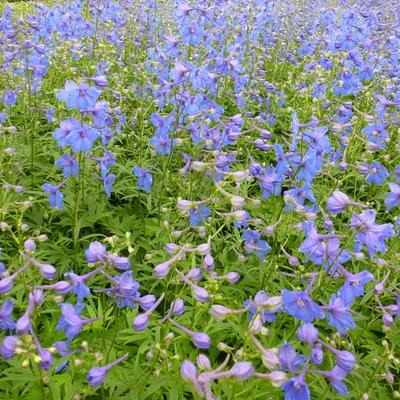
{"x": 200, "y": 200}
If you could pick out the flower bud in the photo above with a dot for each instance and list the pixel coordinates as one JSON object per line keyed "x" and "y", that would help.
{"x": 345, "y": 360}
{"x": 201, "y": 340}
{"x": 47, "y": 271}
{"x": 178, "y": 307}
{"x": 200, "y": 294}
{"x": 307, "y": 333}
{"x": 203, "y": 362}
{"x": 188, "y": 371}
{"x": 29, "y": 245}
{"x": 317, "y": 354}
{"x": 219, "y": 312}
{"x": 195, "y": 274}
{"x": 208, "y": 262}
{"x": 242, "y": 371}
{"x": 277, "y": 378}
{"x": 23, "y": 325}
{"x": 161, "y": 270}
{"x": 62, "y": 287}
{"x": 140, "y": 322}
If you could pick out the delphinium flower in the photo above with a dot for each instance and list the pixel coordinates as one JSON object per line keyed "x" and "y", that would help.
{"x": 200, "y": 339}
{"x": 71, "y": 322}
{"x": 97, "y": 252}
{"x": 6, "y": 320}
{"x": 80, "y": 96}
{"x": 62, "y": 133}
{"x": 220, "y": 312}
{"x": 8, "y": 347}
{"x": 375, "y": 173}
{"x": 145, "y": 179}
{"x": 199, "y": 293}
{"x": 369, "y": 233}
{"x": 254, "y": 245}
{"x": 338, "y": 202}
{"x": 393, "y": 197}
{"x": 354, "y": 285}
{"x": 264, "y": 306}
{"x": 46, "y": 270}
{"x": 323, "y": 249}
{"x": 97, "y": 375}
{"x": 56, "y": 198}
{"x": 69, "y": 165}
{"x": 7, "y": 283}
{"x": 338, "y": 315}
{"x": 142, "y": 320}
{"x": 202, "y": 381}
{"x": 300, "y": 305}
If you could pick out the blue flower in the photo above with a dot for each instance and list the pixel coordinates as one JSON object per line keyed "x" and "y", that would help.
{"x": 393, "y": 197}
{"x": 266, "y": 315}
{"x": 108, "y": 182}
{"x": 192, "y": 33}
{"x": 289, "y": 359}
{"x": 198, "y": 214}
{"x": 162, "y": 143}
{"x": 55, "y": 195}
{"x": 62, "y": 133}
{"x": 145, "y": 179}
{"x": 82, "y": 138}
{"x": 78, "y": 285}
{"x": 375, "y": 172}
{"x": 69, "y": 164}
{"x": 254, "y": 245}
{"x": 296, "y": 389}
{"x": 299, "y": 305}
{"x": 339, "y": 315}
{"x": 10, "y": 97}
{"x": 354, "y": 286}
{"x": 81, "y": 96}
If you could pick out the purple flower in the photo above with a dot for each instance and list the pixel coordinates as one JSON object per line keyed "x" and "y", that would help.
{"x": 70, "y": 321}
{"x": 8, "y": 346}
{"x": 188, "y": 371}
{"x": 256, "y": 305}
{"x": 307, "y": 333}
{"x": 97, "y": 375}
{"x": 108, "y": 182}
{"x": 370, "y": 233}
{"x": 96, "y": 253}
{"x": 337, "y": 202}
{"x": 162, "y": 143}
{"x": 299, "y": 305}
{"x": 242, "y": 370}
{"x": 10, "y": 97}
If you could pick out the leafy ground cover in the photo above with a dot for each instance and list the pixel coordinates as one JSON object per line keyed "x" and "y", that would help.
{"x": 200, "y": 200}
